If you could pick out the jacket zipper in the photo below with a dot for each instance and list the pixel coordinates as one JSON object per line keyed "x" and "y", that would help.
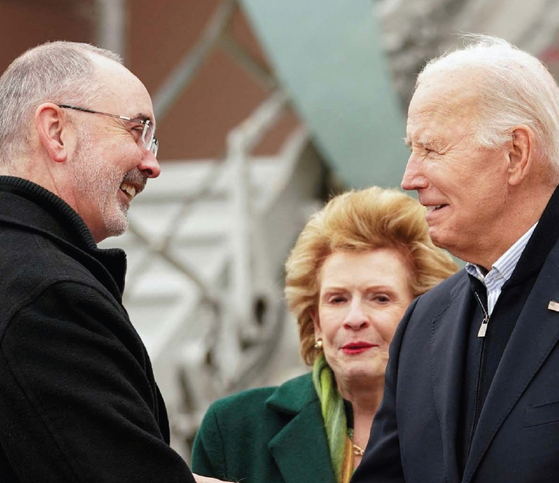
{"x": 484, "y": 323}
{"x": 481, "y": 333}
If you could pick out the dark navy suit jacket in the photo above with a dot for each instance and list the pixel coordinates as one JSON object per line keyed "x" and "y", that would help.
{"x": 415, "y": 433}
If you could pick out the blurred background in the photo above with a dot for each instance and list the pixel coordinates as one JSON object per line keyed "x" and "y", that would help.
{"x": 264, "y": 109}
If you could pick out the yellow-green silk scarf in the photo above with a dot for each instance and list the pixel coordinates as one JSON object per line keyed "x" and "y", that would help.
{"x": 335, "y": 421}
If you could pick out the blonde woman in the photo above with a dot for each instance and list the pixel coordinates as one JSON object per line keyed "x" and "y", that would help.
{"x": 354, "y": 270}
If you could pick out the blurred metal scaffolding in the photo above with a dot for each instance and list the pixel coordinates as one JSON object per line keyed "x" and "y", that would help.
{"x": 208, "y": 239}
{"x": 206, "y": 246}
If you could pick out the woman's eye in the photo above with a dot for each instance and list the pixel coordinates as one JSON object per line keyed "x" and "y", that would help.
{"x": 381, "y": 298}
{"x": 337, "y": 299}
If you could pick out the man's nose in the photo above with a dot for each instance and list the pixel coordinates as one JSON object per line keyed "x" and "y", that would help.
{"x": 150, "y": 166}
{"x": 413, "y": 178}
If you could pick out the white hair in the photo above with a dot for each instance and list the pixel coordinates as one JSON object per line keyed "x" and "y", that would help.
{"x": 59, "y": 72}
{"x": 516, "y": 89}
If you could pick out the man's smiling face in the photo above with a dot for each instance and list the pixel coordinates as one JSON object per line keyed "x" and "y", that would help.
{"x": 463, "y": 186}
{"x": 111, "y": 165}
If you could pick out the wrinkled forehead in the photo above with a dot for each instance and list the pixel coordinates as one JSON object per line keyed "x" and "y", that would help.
{"x": 452, "y": 94}
{"x": 121, "y": 91}
{"x": 443, "y": 109}
{"x": 453, "y": 88}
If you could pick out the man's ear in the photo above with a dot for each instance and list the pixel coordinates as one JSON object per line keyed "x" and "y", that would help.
{"x": 52, "y": 130}
{"x": 520, "y": 154}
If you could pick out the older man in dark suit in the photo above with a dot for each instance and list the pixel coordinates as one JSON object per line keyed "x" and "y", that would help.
{"x": 472, "y": 386}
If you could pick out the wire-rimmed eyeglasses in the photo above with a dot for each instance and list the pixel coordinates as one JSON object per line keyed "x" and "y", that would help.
{"x": 148, "y": 134}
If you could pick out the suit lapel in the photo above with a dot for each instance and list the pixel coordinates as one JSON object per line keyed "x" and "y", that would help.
{"x": 303, "y": 438}
{"x": 303, "y": 435}
{"x": 449, "y": 334}
{"x": 534, "y": 336}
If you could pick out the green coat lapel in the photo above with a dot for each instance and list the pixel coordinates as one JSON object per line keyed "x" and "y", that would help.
{"x": 303, "y": 438}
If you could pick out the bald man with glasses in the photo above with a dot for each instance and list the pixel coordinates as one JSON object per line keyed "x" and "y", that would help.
{"x": 78, "y": 399}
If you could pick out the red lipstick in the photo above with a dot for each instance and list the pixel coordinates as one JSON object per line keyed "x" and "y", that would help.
{"x": 357, "y": 347}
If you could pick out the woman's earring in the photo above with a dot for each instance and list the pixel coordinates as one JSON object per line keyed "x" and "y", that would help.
{"x": 318, "y": 344}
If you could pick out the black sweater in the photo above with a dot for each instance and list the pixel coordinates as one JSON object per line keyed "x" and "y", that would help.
{"x": 78, "y": 400}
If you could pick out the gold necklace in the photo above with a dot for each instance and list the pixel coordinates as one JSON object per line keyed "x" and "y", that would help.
{"x": 357, "y": 450}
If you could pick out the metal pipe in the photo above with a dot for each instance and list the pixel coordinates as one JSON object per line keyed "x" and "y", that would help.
{"x": 188, "y": 67}
{"x": 111, "y": 29}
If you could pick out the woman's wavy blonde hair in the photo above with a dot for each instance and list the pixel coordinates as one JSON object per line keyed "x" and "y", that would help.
{"x": 360, "y": 221}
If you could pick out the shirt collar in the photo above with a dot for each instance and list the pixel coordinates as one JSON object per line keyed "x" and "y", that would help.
{"x": 502, "y": 269}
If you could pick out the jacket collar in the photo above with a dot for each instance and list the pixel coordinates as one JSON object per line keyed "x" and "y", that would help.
{"x": 541, "y": 242}
{"x": 35, "y": 209}
{"x": 300, "y": 449}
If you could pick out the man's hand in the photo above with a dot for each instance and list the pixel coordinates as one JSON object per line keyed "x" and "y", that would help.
{"x": 205, "y": 479}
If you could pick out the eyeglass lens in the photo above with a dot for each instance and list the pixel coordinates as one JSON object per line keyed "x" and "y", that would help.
{"x": 148, "y": 138}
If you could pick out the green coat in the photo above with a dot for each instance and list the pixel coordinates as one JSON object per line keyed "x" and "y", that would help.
{"x": 266, "y": 435}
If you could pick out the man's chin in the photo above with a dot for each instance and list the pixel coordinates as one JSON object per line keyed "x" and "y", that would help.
{"x": 438, "y": 237}
{"x": 118, "y": 224}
